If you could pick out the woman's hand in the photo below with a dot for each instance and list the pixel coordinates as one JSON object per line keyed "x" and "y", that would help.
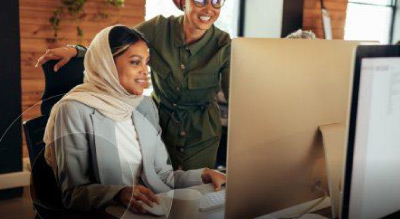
{"x": 130, "y": 196}
{"x": 64, "y": 54}
{"x": 214, "y": 177}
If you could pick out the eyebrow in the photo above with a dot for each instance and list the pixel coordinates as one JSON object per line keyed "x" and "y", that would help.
{"x": 139, "y": 56}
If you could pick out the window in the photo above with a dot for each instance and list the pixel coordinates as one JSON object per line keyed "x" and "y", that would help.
{"x": 370, "y": 20}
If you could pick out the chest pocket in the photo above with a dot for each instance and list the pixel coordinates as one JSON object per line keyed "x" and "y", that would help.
{"x": 198, "y": 80}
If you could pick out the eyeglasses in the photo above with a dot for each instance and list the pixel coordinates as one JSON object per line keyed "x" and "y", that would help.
{"x": 217, "y": 4}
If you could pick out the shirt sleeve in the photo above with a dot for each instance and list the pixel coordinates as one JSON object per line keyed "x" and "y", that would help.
{"x": 225, "y": 71}
{"x": 148, "y": 28}
{"x": 81, "y": 51}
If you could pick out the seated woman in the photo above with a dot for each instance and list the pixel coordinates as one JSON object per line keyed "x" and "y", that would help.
{"x": 103, "y": 138}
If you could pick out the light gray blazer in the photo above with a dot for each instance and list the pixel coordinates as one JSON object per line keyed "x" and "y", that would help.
{"x": 88, "y": 166}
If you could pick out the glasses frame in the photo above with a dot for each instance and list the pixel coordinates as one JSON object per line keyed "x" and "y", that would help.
{"x": 205, "y": 2}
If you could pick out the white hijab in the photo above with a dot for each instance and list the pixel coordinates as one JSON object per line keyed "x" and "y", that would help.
{"x": 101, "y": 88}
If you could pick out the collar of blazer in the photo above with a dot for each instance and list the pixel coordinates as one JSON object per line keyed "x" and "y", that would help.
{"x": 104, "y": 152}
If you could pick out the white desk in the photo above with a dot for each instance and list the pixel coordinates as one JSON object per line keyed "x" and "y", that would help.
{"x": 121, "y": 212}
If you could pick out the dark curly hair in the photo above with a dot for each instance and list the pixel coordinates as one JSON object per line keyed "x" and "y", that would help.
{"x": 121, "y": 37}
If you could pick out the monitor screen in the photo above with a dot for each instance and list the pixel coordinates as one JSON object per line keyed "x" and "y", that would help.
{"x": 375, "y": 179}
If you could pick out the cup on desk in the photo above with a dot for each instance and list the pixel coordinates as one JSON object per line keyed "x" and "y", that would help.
{"x": 181, "y": 203}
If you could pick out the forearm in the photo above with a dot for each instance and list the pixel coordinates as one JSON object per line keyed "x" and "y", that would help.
{"x": 183, "y": 179}
{"x": 90, "y": 197}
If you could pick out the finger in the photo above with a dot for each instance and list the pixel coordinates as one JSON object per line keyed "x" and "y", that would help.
{"x": 60, "y": 64}
{"x": 217, "y": 185}
{"x": 217, "y": 182}
{"x": 135, "y": 205}
{"x": 150, "y": 195}
{"x": 145, "y": 200}
{"x": 42, "y": 60}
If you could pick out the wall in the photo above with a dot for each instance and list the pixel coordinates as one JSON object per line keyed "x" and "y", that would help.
{"x": 263, "y": 18}
{"x": 10, "y": 96}
{"x": 312, "y": 16}
{"x": 36, "y": 34}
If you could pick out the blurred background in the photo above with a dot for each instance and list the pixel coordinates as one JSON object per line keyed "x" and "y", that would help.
{"x": 30, "y": 27}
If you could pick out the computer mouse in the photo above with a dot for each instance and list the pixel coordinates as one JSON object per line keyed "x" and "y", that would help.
{"x": 156, "y": 210}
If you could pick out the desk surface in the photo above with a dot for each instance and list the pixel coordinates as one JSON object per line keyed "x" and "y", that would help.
{"x": 121, "y": 212}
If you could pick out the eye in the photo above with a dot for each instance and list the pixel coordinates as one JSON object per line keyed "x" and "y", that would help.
{"x": 135, "y": 62}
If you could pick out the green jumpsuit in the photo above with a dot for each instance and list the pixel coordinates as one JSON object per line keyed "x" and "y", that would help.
{"x": 186, "y": 79}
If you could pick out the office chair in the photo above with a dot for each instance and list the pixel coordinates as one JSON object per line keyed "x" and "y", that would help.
{"x": 61, "y": 82}
{"x": 45, "y": 193}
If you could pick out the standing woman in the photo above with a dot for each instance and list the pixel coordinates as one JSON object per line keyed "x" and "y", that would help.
{"x": 190, "y": 62}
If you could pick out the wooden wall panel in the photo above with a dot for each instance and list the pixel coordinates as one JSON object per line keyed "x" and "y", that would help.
{"x": 36, "y": 34}
{"x": 312, "y": 18}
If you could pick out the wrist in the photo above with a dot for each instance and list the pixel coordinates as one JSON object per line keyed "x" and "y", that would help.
{"x": 205, "y": 177}
{"x": 73, "y": 50}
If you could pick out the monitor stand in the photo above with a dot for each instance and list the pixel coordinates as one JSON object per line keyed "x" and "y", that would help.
{"x": 334, "y": 139}
{"x": 297, "y": 209}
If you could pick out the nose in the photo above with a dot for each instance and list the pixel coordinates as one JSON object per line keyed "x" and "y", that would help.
{"x": 209, "y": 6}
{"x": 145, "y": 69}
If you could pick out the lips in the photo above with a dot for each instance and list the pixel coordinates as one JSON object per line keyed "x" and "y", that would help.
{"x": 205, "y": 18}
{"x": 142, "y": 82}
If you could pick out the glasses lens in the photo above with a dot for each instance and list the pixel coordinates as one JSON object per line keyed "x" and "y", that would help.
{"x": 200, "y": 3}
{"x": 217, "y": 3}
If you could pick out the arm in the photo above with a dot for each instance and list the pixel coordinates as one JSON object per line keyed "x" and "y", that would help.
{"x": 179, "y": 178}
{"x": 225, "y": 70}
{"x": 73, "y": 161}
{"x": 225, "y": 80}
{"x": 64, "y": 54}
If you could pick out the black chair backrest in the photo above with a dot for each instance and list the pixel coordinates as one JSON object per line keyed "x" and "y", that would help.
{"x": 61, "y": 82}
{"x": 45, "y": 193}
{"x": 34, "y": 131}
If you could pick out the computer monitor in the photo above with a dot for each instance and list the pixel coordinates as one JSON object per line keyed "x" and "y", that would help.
{"x": 372, "y": 176}
{"x": 281, "y": 92}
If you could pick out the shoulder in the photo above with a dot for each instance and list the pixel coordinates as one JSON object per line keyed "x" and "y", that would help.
{"x": 149, "y": 110}
{"x": 158, "y": 21}
{"x": 147, "y": 106}
{"x": 223, "y": 38}
{"x": 74, "y": 109}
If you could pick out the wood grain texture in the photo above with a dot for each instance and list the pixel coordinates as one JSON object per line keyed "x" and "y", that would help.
{"x": 312, "y": 18}
{"x": 36, "y": 35}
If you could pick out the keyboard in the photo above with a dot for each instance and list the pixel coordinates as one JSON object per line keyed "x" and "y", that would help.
{"x": 212, "y": 201}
